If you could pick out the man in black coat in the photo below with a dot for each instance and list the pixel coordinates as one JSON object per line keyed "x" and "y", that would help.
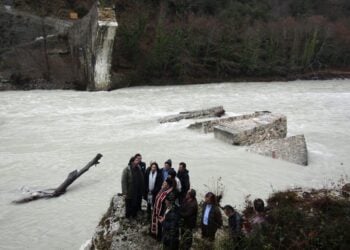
{"x": 184, "y": 178}
{"x": 234, "y": 222}
{"x": 188, "y": 212}
{"x": 170, "y": 224}
{"x": 211, "y": 218}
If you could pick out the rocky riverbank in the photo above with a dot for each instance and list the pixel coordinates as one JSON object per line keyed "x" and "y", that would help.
{"x": 306, "y": 211}
{"x": 117, "y": 232}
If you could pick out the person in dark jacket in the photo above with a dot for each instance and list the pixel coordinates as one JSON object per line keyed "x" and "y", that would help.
{"x": 170, "y": 224}
{"x": 211, "y": 217}
{"x": 132, "y": 187}
{"x": 234, "y": 222}
{"x": 153, "y": 184}
{"x": 188, "y": 212}
{"x": 254, "y": 224}
{"x": 184, "y": 178}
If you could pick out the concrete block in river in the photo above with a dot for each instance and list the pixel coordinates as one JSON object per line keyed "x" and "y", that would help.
{"x": 292, "y": 149}
{"x": 208, "y": 125}
{"x": 249, "y": 131}
{"x": 210, "y": 112}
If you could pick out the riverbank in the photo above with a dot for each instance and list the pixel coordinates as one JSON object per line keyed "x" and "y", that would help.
{"x": 296, "y": 218}
{"x": 31, "y": 84}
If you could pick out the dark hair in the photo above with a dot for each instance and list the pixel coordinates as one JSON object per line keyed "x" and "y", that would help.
{"x": 192, "y": 193}
{"x": 212, "y": 198}
{"x": 259, "y": 205}
{"x": 137, "y": 155}
{"x": 169, "y": 182}
{"x": 183, "y": 164}
{"x": 229, "y": 207}
{"x": 171, "y": 197}
{"x": 155, "y": 163}
{"x": 173, "y": 181}
{"x": 172, "y": 173}
{"x": 132, "y": 160}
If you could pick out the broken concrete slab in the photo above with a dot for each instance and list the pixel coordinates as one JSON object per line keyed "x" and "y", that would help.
{"x": 211, "y": 112}
{"x": 292, "y": 149}
{"x": 249, "y": 131}
{"x": 208, "y": 125}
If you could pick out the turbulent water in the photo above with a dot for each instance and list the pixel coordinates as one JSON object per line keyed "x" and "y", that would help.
{"x": 46, "y": 134}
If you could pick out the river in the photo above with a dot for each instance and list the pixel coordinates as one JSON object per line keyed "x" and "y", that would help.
{"x": 46, "y": 134}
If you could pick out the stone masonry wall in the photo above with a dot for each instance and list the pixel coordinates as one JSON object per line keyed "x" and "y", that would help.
{"x": 250, "y": 131}
{"x": 292, "y": 149}
{"x": 208, "y": 126}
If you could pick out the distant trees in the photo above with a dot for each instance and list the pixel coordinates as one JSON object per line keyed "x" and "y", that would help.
{"x": 185, "y": 40}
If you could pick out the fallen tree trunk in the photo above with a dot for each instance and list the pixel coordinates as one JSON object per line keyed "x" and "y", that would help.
{"x": 50, "y": 193}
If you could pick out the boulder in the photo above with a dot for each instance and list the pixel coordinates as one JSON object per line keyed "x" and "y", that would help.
{"x": 249, "y": 131}
{"x": 210, "y": 112}
{"x": 292, "y": 149}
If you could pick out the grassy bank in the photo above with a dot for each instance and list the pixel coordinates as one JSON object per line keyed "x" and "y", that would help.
{"x": 297, "y": 219}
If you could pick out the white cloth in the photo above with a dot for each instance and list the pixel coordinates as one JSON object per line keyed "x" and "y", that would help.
{"x": 152, "y": 180}
{"x": 178, "y": 184}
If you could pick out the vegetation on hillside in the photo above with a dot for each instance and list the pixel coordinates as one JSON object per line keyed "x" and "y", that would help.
{"x": 202, "y": 40}
{"x": 319, "y": 219}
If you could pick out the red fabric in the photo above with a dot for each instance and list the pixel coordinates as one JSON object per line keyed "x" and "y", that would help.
{"x": 158, "y": 208}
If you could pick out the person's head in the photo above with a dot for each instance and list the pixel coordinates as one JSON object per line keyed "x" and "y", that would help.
{"x": 139, "y": 156}
{"x": 210, "y": 198}
{"x": 133, "y": 161}
{"x": 170, "y": 200}
{"x": 167, "y": 164}
{"x": 191, "y": 194}
{"x": 154, "y": 167}
{"x": 182, "y": 166}
{"x": 172, "y": 173}
{"x": 168, "y": 183}
{"x": 259, "y": 205}
{"x": 229, "y": 210}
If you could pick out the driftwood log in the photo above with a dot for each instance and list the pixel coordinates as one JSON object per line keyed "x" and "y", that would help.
{"x": 55, "y": 192}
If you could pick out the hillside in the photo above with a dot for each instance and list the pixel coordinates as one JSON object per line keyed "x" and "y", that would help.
{"x": 203, "y": 41}
{"x": 184, "y": 42}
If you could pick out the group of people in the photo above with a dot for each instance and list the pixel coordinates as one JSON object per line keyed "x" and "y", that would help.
{"x": 172, "y": 206}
